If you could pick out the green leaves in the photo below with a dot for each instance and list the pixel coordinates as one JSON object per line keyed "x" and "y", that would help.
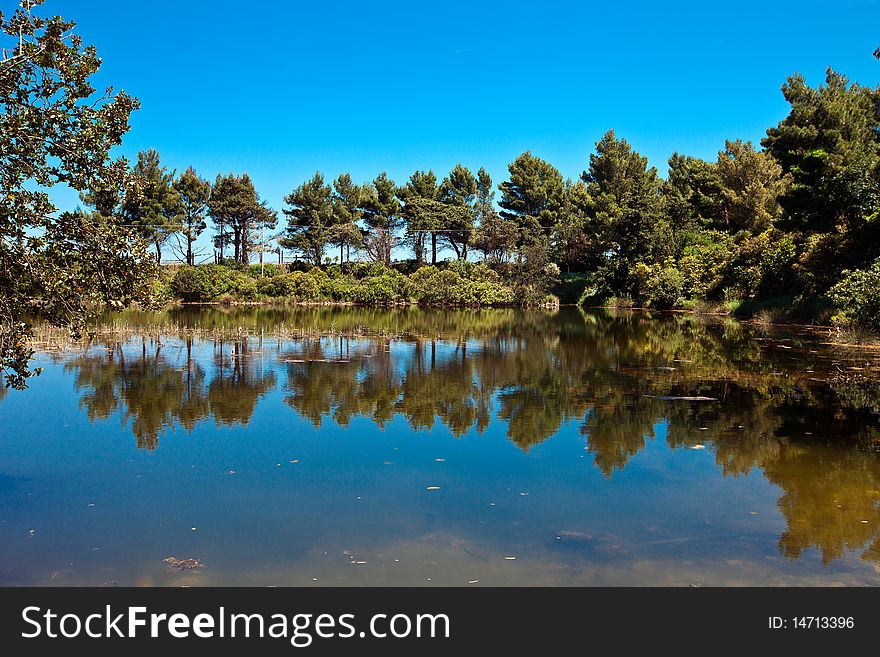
{"x": 54, "y": 129}
{"x": 240, "y": 215}
{"x": 310, "y": 215}
{"x": 830, "y": 145}
{"x": 533, "y": 190}
{"x": 152, "y": 205}
{"x": 194, "y": 194}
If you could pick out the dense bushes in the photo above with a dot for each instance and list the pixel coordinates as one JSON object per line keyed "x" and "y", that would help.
{"x": 295, "y": 285}
{"x": 462, "y": 283}
{"x": 210, "y": 282}
{"x": 459, "y": 283}
{"x": 857, "y": 296}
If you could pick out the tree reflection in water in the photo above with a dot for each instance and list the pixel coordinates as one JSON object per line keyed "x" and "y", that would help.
{"x": 780, "y": 405}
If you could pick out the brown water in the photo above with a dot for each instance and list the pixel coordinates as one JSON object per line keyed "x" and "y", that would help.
{"x": 317, "y": 446}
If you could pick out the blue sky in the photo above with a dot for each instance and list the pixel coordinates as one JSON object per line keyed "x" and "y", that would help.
{"x": 281, "y": 89}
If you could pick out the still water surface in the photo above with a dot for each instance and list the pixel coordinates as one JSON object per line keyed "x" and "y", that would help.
{"x": 346, "y": 446}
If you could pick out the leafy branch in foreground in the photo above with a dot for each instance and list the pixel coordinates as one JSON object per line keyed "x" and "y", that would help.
{"x": 56, "y": 130}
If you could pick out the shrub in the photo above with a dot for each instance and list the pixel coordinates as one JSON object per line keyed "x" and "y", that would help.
{"x": 857, "y": 297}
{"x": 337, "y": 289}
{"x": 242, "y": 286}
{"x": 663, "y": 287}
{"x": 295, "y": 285}
{"x": 702, "y": 263}
{"x": 366, "y": 269}
{"x": 619, "y": 302}
{"x": 384, "y": 289}
{"x": 460, "y": 284}
{"x": 263, "y": 271}
{"x": 202, "y": 283}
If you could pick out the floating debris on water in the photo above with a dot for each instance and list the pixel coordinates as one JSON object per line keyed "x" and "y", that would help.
{"x": 440, "y": 460}
{"x": 473, "y": 581}
{"x": 182, "y": 564}
{"x": 510, "y": 558}
{"x": 683, "y": 397}
{"x": 698, "y": 446}
{"x": 433, "y": 488}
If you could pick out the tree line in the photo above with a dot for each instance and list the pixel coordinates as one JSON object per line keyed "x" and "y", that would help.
{"x": 781, "y": 219}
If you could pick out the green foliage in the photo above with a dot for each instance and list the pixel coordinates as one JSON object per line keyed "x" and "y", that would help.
{"x": 240, "y": 216}
{"x": 703, "y": 263}
{"x": 857, "y": 297}
{"x": 389, "y": 287}
{"x": 200, "y": 284}
{"x": 152, "y": 205}
{"x": 266, "y": 270}
{"x": 194, "y": 194}
{"x": 534, "y": 189}
{"x": 296, "y": 285}
{"x": 830, "y": 145}
{"x": 310, "y": 216}
{"x": 459, "y": 283}
{"x": 570, "y": 287}
{"x": 462, "y": 283}
{"x": 54, "y": 130}
{"x": 751, "y": 185}
{"x": 659, "y": 286}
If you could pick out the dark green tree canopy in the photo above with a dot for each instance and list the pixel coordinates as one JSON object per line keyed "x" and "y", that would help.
{"x": 240, "y": 214}
{"x": 152, "y": 205}
{"x": 692, "y": 192}
{"x": 625, "y": 196}
{"x": 310, "y": 216}
{"x": 534, "y": 190}
{"x": 194, "y": 193}
{"x": 422, "y": 213}
{"x": 347, "y": 199}
{"x": 830, "y": 144}
{"x": 381, "y": 212}
{"x": 460, "y": 191}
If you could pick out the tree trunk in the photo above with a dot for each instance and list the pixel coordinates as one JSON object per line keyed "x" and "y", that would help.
{"x": 433, "y": 247}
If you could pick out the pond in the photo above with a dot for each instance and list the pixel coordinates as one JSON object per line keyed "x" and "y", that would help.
{"x": 351, "y": 446}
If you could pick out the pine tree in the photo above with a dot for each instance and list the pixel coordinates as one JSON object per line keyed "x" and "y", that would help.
{"x": 380, "y": 209}
{"x": 194, "y": 193}
{"x": 310, "y": 218}
{"x": 152, "y": 206}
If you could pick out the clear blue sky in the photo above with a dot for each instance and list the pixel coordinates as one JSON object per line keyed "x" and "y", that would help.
{"x": 281, "y": 89}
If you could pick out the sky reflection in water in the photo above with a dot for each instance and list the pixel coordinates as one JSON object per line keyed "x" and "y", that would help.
{"x": 316, "y": 446}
